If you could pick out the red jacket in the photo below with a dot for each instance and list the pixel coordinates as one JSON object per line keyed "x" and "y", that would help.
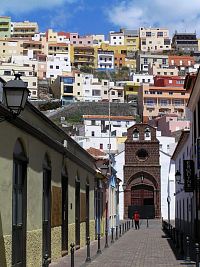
{"x": 136, "y": 216}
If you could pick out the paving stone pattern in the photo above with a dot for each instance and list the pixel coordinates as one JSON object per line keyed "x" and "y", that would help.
{"x": 146, "y": 247}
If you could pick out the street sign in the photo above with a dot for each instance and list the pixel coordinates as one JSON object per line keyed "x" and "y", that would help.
{"x": 188, "y": 172}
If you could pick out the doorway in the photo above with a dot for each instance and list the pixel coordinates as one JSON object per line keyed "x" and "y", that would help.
{"x": 64, "y": 215}
{"x": 19, "y": 206}
{"x": 46, "y": 214}
{"x": 77, "y": 213}
{"x": 142, "y": 199}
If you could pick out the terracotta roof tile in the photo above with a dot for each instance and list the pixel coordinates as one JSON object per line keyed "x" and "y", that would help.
{"x": 96, "y": 153}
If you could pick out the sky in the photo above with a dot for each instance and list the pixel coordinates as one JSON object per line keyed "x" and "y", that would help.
{"x": 102, "y": 16}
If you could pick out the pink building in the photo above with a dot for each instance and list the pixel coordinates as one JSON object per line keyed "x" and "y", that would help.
{"x": 77, "y": 40}
{"x": 170, "y": 123}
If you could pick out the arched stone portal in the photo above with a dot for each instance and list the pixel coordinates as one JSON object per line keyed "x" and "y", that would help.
{"x": 142, "y": 194}
{"x": 142, "y": 172}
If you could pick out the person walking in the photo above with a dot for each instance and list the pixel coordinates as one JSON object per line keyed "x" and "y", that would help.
{"x": 136, "y": 218}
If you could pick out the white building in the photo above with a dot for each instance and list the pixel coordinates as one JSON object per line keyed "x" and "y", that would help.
{"x": 95, "y": 132}
{"x": 116, "y": 38}
{"x": 154, "y": 39}
{"x": 167, "y": 146}
{"x": 142, "y": 78}
{"x": 105, "y": 60}
{"x": 28, "y": 76}
{"x": 58, "y": 65}
{"x": 98, "y": 39}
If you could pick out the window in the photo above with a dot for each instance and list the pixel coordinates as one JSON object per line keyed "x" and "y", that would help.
{"x": 78, "y": 93}
{"x": 33, "y": 92}
{"x": 57, "y": 67}
{"x": 164, "y": 61}
{"x": 135, "y": 134}
{"x": 164, "y": 102}
{"x": 160, "y": 34}
{"x": 101, "y": 146}
{"x": 148, "y": 34}
{"x": 113, "y": 92}
{"x": 180, "y": 82}
{"x": 109, "y": 146}
{"x": 30, "y": 73}
{"x": 68, "y": 89}
{"x": 138, "y": 80}
{"x": 93, "y": 122}
{"x": 93, "y": 134}
{"x": 170, "y": 93}
{"x": 105, "y": 92}
{"x": 145, "y": 60}
{"x": 51, "y": 66}
{"x": 78, "y": 84}
{"x": 142, "y": 154}
{"x": 34, "y": 83}
{"x": 105, "y": 83}
{"x": 7, "y": 72}
{"x": 147, "y": 134}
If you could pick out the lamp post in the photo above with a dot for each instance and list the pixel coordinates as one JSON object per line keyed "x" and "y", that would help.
{"x": 178, "y": 177}
{"x": 104, "y": 170}
{"x": 15, "y": 94}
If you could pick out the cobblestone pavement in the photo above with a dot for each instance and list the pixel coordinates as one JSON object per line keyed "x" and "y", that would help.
{"x": 146, "y": 247}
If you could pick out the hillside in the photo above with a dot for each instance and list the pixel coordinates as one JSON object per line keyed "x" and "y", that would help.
{"x": 74, "y": 111}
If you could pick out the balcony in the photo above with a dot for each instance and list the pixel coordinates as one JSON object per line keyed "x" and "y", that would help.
{"x": 150, "y": 104}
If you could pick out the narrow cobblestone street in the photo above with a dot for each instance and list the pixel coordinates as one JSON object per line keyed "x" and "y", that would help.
{"x": 147, "y": 247}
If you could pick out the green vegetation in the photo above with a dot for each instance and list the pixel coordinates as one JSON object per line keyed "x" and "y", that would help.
{"x": 49, "y": 106}
{"x": 122, "y": 74}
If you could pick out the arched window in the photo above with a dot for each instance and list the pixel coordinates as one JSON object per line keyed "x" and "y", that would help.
{"x": 135, "y": 135}
{"x": 46, "y": 206}
{"x": 64, "y": 181}
{"x": 19, "y": 204}
{"x": 147, "y": 134}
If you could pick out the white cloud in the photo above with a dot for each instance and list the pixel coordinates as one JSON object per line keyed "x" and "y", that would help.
{"x": 18, "y": 7}
{"x": 178, "y": 15}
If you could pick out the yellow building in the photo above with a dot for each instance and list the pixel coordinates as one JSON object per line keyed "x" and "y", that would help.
{"x": 131, "y": 90}
{"x": 119, "y": 49}
{"x": 24, "y": 29}
{"x": 5, "y": 25}
{"x": 132, "y": 43}
{"x": 47, "y": 190}
{"x": 130, "y": 63}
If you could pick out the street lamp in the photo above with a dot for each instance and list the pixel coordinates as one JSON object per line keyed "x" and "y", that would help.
{"x": 178, "y": 177}
{"x": 124, "y": 187}
{"x": 15, "y": 94}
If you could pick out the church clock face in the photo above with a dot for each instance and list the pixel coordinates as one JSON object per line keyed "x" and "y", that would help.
{"x": 142, "y": 154}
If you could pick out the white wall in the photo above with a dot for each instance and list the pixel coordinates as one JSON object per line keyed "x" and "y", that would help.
{"x": 167, "y": 146}
{"x": 119, "y": 164}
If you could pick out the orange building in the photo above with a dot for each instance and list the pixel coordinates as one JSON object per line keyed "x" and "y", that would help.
{"x": 184, "y": 61}
{"x": 156, "y": 100}
{"x": 119, "y": 60}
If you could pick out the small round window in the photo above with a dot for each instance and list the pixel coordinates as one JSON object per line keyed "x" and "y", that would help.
{"x": 142, "y": 154}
